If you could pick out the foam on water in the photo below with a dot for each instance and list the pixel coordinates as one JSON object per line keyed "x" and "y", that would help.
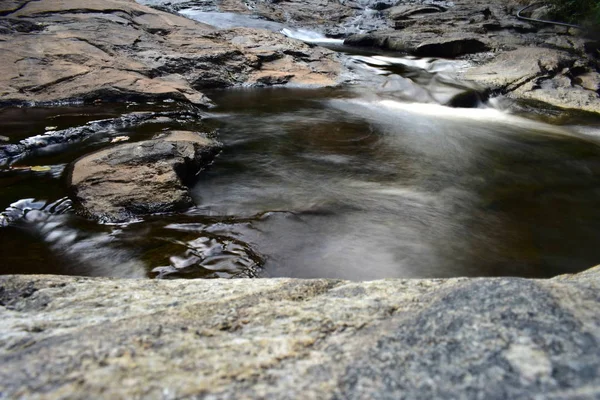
{"x": 390, "y": 110}
{"x": 311, "y": 37}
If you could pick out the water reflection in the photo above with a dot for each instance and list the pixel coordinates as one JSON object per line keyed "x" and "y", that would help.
{"x": 68, "y": 249}
{"x": 353, "y": 183}
{"x": 389, "y": 189}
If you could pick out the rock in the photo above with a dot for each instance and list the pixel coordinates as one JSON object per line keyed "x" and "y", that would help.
{"x": 542, "y": 12}
{"x": 367, "y": 40}
{"x": 9, "y": 6}
{"x": 309, "y": 14}
{"x": 433, "y": 30}
{"x": 121, "y": 182}
{"x": 490, "y": 22}
{"x": 285, "y": 338}
{"x": 519, "y": 59}
{"x": 420, "y": 44}
{"x": 117, "y": 50}
{"x": 405, "y": 11}
{"x": 423, "y": 25}
{"x": 559, "y": 91}
{"x": 450, "y": 47}
{"x": 12, "y": 152}
{"x": 512, "y": 69}
{"x": 540, "y": 74}
{"x": 279, "y": 59}
{"x": 589, "y": 81}
{"x": 334, "y": 18}
{"x": 175, "y": 5}
{"x": 380, "y": 6}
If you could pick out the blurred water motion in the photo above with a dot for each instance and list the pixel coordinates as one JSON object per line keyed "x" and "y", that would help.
{"x": 395, "y": 178}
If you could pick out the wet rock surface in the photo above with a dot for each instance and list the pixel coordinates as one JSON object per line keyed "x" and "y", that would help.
{"x": 10, "y": 153}
{"x": 520, "y": 59}
{"x": 483, "y": 32}
{"x": 286, "y": 338}
{"x": 117, "y": 50}
{"x": 118, "y": 183}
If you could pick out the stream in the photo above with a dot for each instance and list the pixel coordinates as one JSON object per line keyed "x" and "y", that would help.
{"x": 405, "y": 173}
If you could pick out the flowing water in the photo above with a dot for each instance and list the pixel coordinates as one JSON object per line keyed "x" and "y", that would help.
{"x": 378, "y": 179}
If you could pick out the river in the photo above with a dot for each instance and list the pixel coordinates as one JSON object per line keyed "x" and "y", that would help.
{"x": 407, "y": 172}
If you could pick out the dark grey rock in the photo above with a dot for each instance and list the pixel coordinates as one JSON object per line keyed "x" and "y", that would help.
{"x": 450, "y": 48}
{"x": 533, "y": 346}
{"x": 508, "y": 56}
{"x": 285, "y": 338}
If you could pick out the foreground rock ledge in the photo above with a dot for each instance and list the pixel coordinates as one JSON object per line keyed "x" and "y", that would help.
{"x": 120, "y": 182}
{"x": 502, "y": 338}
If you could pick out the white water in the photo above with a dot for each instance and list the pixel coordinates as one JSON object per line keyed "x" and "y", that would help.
{"x": 311, "y": 37}
{"x": 391, "y": 110}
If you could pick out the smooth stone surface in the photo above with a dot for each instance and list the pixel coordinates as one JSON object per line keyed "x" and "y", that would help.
{"x": 121, "y": 182}
{"x": 548, "y": 75}
{"x": 285, "y": 338}
{"x": 589, "y": 81}
{"x": 60, "y": 51}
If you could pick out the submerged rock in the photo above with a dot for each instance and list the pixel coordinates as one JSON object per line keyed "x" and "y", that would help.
{"x": 117, "y": 50}
{"x": 490, "y": 338}
{"x": 118, "y": 183}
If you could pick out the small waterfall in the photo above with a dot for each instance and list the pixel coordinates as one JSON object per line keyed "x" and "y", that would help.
{"x": 312, "y": 37}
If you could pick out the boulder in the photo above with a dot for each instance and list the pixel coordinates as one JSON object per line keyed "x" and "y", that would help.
{"x": 511, "y": 69}
{"x": 421, "y": 44}
{"x": 453, "y": 25}
{"x": 492, "y": 338}
{"x": 59, "y": 51}
{"x": 405, "y": 11}
{"x": 551, "y": 76}
{"x": 559, "y": 91}
{"x": 450, "y": 47}
{"x": 121, "y": 182}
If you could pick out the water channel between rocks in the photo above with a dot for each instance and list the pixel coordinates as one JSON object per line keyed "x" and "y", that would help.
{"x": 353, "y": 182}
